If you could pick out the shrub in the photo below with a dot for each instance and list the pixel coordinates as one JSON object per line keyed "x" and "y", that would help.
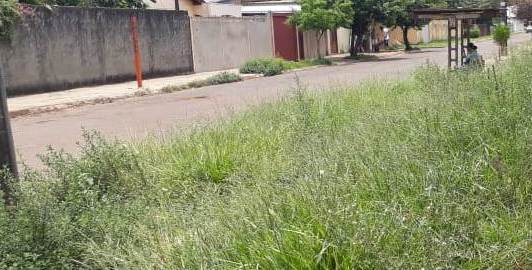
{"x": 501, "y": 34}
{"x": 220, "y": 78}
{"x": 265, "y": 66}
{"x": 275, "y": 66}
{"x": 322, "y": 62}
{"x": 224, "y": 77}
{"x": 9, "y": 14}
{"x": 474, "y": 32}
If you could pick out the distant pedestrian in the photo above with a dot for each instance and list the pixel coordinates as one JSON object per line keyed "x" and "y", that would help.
{"x": 386, "y": 37}
{"x": 472, "y": 58}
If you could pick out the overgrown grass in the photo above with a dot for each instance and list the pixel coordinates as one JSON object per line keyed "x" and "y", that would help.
{"x": 220, "y": 78}
{"x": 431, "y": 172}
{"x": 276, "y": 66}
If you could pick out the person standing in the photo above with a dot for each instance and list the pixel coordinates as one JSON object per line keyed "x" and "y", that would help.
{"x": 386, "y": 37}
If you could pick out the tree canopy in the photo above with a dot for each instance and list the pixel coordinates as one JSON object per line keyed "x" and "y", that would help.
{"x": 321, "y": 15}
{"x": 398, "y": 13}
{"x": 365, "y": 12}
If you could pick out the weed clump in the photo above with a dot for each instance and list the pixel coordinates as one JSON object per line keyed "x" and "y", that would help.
{"x": 276, "y": 66}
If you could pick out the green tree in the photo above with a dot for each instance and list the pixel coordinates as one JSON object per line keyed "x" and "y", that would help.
{"x": 399, "y": 14}
{"x": 320, "y": 16}
{"x": 365, "y": 13}
{"x": 9, "y": 14}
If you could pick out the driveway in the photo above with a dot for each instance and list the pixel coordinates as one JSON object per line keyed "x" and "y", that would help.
{"x": 140, "y": 116}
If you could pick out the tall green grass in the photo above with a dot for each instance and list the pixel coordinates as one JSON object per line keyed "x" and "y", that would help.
{"x": 431, "y": 172}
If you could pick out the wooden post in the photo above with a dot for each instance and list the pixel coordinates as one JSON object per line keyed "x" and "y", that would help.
{"x": 7, "y": 148}
{"x": 136, "y": 50}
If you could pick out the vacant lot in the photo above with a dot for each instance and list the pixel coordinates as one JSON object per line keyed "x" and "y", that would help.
{"x": 430, "y": 172}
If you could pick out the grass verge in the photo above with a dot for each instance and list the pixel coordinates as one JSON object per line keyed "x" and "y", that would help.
{"x": 430, "y": 172}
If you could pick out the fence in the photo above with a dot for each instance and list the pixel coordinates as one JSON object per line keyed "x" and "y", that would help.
{"x": 223, "y": 43}
{"x": 66, "y": 47}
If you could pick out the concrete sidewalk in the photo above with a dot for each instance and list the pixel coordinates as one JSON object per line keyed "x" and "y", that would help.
{"x": 37, "y": 103}
{"x": 54, "y": 101}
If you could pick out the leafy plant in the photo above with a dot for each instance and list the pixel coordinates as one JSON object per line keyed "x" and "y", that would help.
{"x": 9, "y": 14}
{"x": 224, "y": 77}
{"x": 320, "y": 16}
{"x": 474, "y": 32}
{"x": 399, "y": 13}
{"x": 501, "y": 34}
{"x": 276, "y": 66}
{"x": 265, "y": 66}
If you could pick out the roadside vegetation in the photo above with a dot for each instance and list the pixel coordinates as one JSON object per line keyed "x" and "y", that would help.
{"x": 276, "y": 66}
{"x": 220, "y": 78}
{"x": 431, "y": 172}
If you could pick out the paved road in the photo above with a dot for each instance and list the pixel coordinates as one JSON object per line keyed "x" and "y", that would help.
{"x": 138, "y": 117}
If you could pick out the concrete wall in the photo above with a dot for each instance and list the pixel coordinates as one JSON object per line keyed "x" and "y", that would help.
{"x": 310, "y": 45}
{"x": 218, "y": 10}
{"x": 438, "y": 30}
{"x": 344, "y": 39}
{"x": 208, "y": 9}
{"x": 69, "y": 47}
{"x": 224, "y": 43}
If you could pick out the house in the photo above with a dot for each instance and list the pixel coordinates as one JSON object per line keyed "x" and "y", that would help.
{"x": 515, "y": 24}
{"x": 289, "y": 42}
{"x": 201, "y": 8}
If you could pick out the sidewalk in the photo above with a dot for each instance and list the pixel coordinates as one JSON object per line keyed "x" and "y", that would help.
{"x": 54, "y": 101}
{"x": 37, "y": 103}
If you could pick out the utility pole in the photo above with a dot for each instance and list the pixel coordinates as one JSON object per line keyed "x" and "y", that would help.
{"x": 7, "y": 149}
{"x": 176, "y": 5}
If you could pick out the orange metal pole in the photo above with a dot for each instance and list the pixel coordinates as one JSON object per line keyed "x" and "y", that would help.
{"x": 136, "y": 50}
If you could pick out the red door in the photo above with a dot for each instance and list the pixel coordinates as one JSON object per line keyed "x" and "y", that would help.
{"x": 285, "y": 38}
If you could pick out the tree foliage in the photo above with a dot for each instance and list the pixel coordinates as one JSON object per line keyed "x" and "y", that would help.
{"x": 501, "y": 34}
{"x": 321, "y": 15}
{"x": 399, "y": 14}
{"x": 9, "y": 13}
{"x": 365, "y": 12}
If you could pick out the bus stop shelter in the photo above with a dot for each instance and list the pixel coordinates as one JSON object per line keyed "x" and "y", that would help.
{"x": 459, "y": 21}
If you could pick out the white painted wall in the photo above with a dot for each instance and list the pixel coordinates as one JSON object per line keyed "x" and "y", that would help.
{"x": 344, "y": 39}
{"x": 219, "y": 10}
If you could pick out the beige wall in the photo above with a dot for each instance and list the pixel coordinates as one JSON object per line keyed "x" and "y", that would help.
{"x": 203, "y": 10}
{"x": 310, "y": 44}
{"x": 218, "y": 10}
{"x": 344, "y": 39}
{"x": 396, "y": 35}
{"x": 225, "y": 43}
{"x": 438, "y": 30}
